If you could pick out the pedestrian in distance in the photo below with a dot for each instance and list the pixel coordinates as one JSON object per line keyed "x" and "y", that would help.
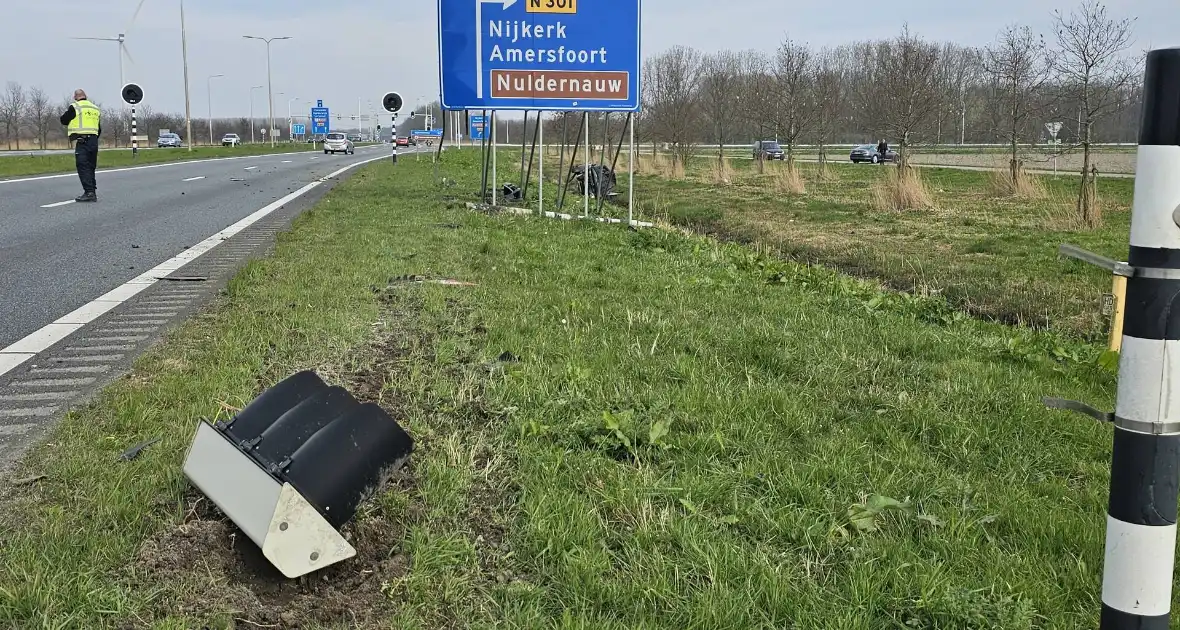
{"x": 882, "y": 149}
{"x": 83, "y": 122}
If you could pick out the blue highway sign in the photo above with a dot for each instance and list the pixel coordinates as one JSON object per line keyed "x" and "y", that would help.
{"x": 320, "y": 120}
{"x": 479, "y": 127}
{"x": 428, "y": 133}
{"x": 540, "y": 54}
{"x": 298, "y": 129}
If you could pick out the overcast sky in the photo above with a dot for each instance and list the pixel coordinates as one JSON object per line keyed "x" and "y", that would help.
{"x": 343, "y": 50}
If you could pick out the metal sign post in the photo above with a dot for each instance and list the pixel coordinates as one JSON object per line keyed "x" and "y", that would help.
{"x": 1053, "y": 128}
{"x": 132, "y": 94}
{"x": 392, "y": 102}
{"x": 543, "y": 55}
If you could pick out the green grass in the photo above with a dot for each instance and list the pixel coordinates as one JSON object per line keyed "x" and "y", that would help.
{"x": 991, "y": 256}
{"x": 615, "y": 429}
{"x": 20, "y": 165}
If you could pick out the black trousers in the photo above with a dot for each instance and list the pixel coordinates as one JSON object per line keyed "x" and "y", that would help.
{"x": 86, "y": 159}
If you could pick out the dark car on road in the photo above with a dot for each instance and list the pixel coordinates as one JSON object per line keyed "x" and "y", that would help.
{"x": 769, "y": 150}
{"x": 869, "y": 153}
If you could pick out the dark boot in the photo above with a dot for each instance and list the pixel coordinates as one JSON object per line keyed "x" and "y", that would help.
{"x": 86, "y": 197}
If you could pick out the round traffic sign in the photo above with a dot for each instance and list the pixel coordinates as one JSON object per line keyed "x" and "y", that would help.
{"x": 392, "y": 102}
{"x": 132, "y": 94}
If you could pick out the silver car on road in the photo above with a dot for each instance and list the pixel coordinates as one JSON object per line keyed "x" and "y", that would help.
{"x": 338, "y": 143}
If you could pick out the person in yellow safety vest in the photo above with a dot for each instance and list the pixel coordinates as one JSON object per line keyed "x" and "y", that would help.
{"x": 83, "y": 122}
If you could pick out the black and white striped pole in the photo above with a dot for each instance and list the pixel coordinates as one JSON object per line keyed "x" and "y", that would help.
{"x": 1145, "y": 477}
{"x": 1145, "y": 462}
{"x": 132, "y": 95}
{"x": 392, "y": 102}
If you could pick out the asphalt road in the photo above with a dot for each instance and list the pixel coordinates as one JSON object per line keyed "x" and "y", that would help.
{"x": 56, "y": 258}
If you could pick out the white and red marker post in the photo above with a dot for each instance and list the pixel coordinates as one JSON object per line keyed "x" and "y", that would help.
{"x": 1145, "y": 463}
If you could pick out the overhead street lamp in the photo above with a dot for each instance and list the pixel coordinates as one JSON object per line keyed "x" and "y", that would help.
{"x": 209, "y": 96}
{"x": 270, "y": 100}
{"x": 256, "y": 87}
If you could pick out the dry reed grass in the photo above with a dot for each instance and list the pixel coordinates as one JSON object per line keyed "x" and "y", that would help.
{"x": 1026, "y": 186}
{"x": 787, "y": 178}
{"x": 900, "y": 189}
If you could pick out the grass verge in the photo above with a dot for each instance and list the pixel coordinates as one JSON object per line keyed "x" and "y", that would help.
{"x": 21, "y": 165}
{"x": 616, "y": 429}
{"x": 993, "y": 256}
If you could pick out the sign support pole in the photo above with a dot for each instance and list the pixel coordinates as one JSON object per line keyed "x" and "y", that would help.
{"x": 541, "y": 168}
{"x": 586, "y": 174}
{"x": 494, "y": 179}
{"x": 631, "y": 173}
{"x": 1145, "y": 462}
{"x": 132, "y": 94}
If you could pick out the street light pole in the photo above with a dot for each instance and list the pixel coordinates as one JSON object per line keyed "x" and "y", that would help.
{"x": 269, "y": 89}
{"x": 188, "y": 110}
{"x": 256, "y": 87}
{"x": 209, "y": 96}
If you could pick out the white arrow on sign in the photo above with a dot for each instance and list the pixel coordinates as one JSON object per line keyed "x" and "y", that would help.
{"x": 479, "y": 40}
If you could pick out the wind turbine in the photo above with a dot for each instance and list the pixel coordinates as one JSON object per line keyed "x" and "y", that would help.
{"x": 121, "y": 39}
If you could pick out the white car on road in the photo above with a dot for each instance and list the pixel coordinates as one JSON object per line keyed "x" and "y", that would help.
{"x": 230, "y": 140}
{"x": 338, "y": 142}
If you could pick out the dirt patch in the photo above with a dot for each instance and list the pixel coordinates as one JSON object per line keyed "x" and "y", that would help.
{"x": 213, "y": 570}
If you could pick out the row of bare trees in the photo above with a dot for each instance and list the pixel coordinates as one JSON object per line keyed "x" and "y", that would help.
{"x": 907, "y": 90}
{"x": 26, "y": 114}
{"x": 30, "y": 118}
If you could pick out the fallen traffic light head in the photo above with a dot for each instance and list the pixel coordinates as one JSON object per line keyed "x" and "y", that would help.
{"x": 293, "y": 466}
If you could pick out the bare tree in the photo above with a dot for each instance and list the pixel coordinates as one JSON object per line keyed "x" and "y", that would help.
{"x": 959, "y": 68}
{"x": 13, "y": 104}
{"x": 670, "y": 90}
{"x": 831, "y": 92}
{"x": 904, "y": 87}
{"x": 1091, "y": 63}
{"x": 720, "y": 82}
{"x": 1018, "y": 66}
{"x": 793, "y": 83}
{"x": 759, "y": 94}
{"x": 40, "y": 114}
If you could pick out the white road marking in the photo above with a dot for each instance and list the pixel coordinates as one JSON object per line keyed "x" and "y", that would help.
{"x": 39, "y": 340}
{"x": 287, "y": 161}
{"x": 60, "y": 203}
{"x": 249, "y": 168}
{"x": 193, "y": 179}
{"x": 315, "y": 157}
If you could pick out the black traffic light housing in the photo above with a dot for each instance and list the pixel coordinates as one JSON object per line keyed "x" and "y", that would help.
{"x": 392, "y": 102}
{"x": 132, "y": 94}
{"x": 294, "y": 465}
